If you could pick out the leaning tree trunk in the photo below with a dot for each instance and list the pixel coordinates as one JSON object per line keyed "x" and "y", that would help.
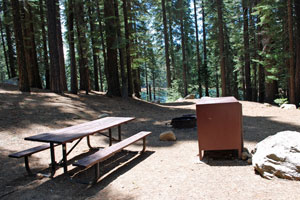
{"x": 221, "y": 46}
{"x": 23, "y": 76}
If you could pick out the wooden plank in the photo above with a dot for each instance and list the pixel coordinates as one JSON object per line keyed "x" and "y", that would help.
{"x": 72, "y": 133}
{"x": 30, "y": 151}
{"x": 103, "y": 154}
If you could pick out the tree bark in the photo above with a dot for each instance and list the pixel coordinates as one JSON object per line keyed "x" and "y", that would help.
{"x": 221, "y": 46}
{"x": 30, "y": 47}
{"x": 291, "y": 52}
{"x": 246, "y": 52}
{"x": 166, "y": 38}
{"x": 254, "y": 52}
{"x": 82, "y": 47}
{"x": 198, "y": 51}
{"x": 95, "y": 49}
{"x": 126, "y": 8}
{"x": 71, "y": 35}
{"x": 11, "y": 57}
{"x": 297, "y": 70}
{"x": 111, "y": 37}
{"x": 121, "y": 52}
{"x": 23, "y": 76}
{"x": 55, "y": 78}
{"x": 184, "y": 65}
{"x": 45, "y": 50}
{"x": 60, "y": 49}
{"x": 103, "y": 46}
{"x": 205, "y": 70}
{"x": 4, "y": 51}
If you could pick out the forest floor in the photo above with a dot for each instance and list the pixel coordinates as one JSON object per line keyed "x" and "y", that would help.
{"x": 167, "y": 170}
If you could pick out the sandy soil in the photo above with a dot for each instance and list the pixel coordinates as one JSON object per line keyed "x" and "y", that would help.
{"x": 168, "y": 170}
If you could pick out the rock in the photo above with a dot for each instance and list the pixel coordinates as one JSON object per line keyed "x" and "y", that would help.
{"x": 190, "y": 96}
{"x": 103, "y": 115}
{"x": 267, "y": 105}
{"x": 244, "y": 156}
{"x": 180, "y": 100}
{"x": 278, "y": 155}
{"x": 286, "y": 106}
{"x": 249, "y": 161}
{"x": 167, "y": 136}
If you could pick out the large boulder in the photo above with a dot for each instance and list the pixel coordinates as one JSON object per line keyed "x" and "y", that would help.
{"x": 278, "y": 155}
{"x": 286, "y": 106}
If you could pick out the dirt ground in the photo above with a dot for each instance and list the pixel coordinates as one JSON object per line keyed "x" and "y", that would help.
{"x": 167, "y": 170}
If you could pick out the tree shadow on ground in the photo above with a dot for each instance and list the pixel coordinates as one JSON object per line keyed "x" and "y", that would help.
{"x": 26, "y": 187}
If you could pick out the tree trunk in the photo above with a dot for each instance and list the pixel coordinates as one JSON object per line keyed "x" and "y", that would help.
{"x": 4, "y": 51}
{"x": 184, "y": 66}
{"x": 221, "y": 46}
{"x": 60, "y": 49}
{"x": 30, "y": 48}
{"x": 55, "y": 78}
{"x": 297, "y": 70}
{"x": 103, "y": 46}
{"x": 127, "y": 8}
{"x": 166, "y": 38}
{"x": 82, "y": 47}
{"x": 95, "y": 49}
{"x": 111, "y": 37}
{"x": 205, "y": 70}
{"x": 23, "y": 76}
{"x": 254, "y": 52}
{"x": 70, "y": 24}
{"x": 261, "y": 73}
{"x": 45, "y": 50}
{"x": 291, "y": 52}
{"x": 121, "y": 52}
{"x": 11, "y": 57}
{"x": 246, "y": 51}
{"x": 198, "y": 51}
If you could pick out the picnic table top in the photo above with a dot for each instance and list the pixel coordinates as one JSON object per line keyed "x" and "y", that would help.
{"x": 72, "y": 133}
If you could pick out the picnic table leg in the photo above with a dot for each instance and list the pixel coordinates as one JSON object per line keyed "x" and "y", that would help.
{"x": 119, "y": 132}
{"x": 144, "y": 144}
{"x": 27, "y": 166}
{"x": 64, "y": 153}
{"x": 110, "y": 137}
{"x": 53, "y": 163}
{"x": 89, "y": 143}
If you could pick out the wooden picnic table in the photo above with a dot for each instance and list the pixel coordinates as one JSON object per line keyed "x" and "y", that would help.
{"x": 78, "y": 132}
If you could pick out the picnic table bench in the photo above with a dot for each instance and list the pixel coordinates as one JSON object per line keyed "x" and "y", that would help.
{"x": 103, "y": 154}
{"x": 68, "y": 135}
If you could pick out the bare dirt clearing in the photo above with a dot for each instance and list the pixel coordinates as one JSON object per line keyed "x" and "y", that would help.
{"x": 168, "y": 170}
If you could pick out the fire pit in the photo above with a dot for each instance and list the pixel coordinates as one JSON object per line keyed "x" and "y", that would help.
{"x": 186, "y": 121}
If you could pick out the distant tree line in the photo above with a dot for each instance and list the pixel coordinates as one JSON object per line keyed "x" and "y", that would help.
{"x": 242, "y": 48}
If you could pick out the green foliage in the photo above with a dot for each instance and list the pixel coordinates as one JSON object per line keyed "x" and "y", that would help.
{"x": 281, "y": 101}
{"x": 173, "y": 93}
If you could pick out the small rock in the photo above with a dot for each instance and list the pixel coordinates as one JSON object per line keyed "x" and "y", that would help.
{"x": 190, "y": 96}
{"x": 244, "y": 156}
{"x": 267, "y": 105}
{"x": 180, "y": 100}
{"x": 249, "y": 161}
{"x": 103, "y": 115}
{"x": 39, "y": 176}
{"x": 286, "y": 106}
{"x": 167, "y": 136}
